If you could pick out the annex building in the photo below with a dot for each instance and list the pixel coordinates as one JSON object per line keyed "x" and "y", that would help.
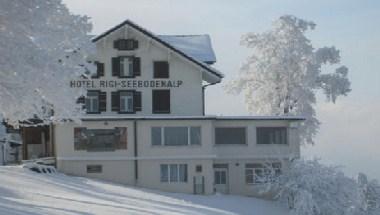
{"x": 145, "y": 123}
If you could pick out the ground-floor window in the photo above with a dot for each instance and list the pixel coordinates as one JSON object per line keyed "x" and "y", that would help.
{"x": 258, "y": 173}
{"x": 176, "y": 136}
{"x": 94, "y": 168}
{"x": 172, "y": 173}
{"x": 100, "y": 139}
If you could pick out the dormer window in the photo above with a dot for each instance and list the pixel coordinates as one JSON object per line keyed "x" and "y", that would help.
{"x": 126, "y": 44}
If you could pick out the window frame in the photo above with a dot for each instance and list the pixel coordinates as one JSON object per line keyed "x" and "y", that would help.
{"x": 94, "y": 168}
{"x": 163, "y": 139}
{"x": 275, "y": 171}
{"x": 82, "y": 139}
{"x": 178, "y": 175}
{"x": 231, "y": 144}
{"x": 98, "y": 101}
{"x": 274, "y": 127}
{"x": 130, "y": 65}
{"x": 132, "y": 92}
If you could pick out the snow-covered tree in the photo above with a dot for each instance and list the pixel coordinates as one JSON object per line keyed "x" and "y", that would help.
{"x": 284, "y": 73}
{"x": 370, "y": 191}
{"x": 42, "y": 47}
{"x": 311, "y": 188}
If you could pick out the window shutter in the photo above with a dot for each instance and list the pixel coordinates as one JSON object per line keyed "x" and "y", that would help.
{"x": 115, "y": 103}
{"x": 116, "y": 44}
{"x": 125, "y": 44}
{"x": 137, "y": 101}
{"x": 135, "y": 44}
{"x": 116, "y": 66}
{"x": 161, "y": 101}
{"x": 161, "y": 69}
{"x": 99, "y": 69}
{"x": 136, "y": 66}
{"x": 102, "y": 101}
{"x": 82, "y": 100}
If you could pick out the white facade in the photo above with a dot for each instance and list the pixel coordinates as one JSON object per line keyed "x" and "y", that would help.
{"x": 178, "y": 149}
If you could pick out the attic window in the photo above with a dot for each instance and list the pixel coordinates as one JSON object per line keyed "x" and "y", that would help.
{"x": 126, "y": 44}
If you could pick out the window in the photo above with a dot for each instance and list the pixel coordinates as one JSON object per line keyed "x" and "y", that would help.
{"x": 258, "y": 173}
{"x": 198, "y": 168}
{"x": 92, "y": 102}
{"x": 100, "y": 139}
{"x": 126, "y": 44}
{"x": 176, "y": 136}
{"x": 161, "y": 101}
{"x": 99, "y": 70}
{"x": 156, "y": 136}
{"x": 233, "y": 135}
{"x": 126, "y": 66}
{"x": 271, "y": 135}
{"x": 173, "y": 173}
{"x": 94, "y": 168}
{"x": 195, "y": 135}
{"x": 220, "y": 177}
{"x": 126, "y": 101}
{"x": 160, "y": 69}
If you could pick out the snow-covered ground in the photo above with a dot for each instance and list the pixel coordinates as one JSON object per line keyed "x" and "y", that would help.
{"x": 23, "y": 192}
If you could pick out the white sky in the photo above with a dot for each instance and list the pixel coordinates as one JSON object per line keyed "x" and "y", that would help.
{"x": 348, "y": 134}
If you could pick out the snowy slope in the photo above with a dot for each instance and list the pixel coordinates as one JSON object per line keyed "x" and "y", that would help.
{"x": 23, "y": 192}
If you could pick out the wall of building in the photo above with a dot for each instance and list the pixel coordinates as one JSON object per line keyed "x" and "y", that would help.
{"x": 150, "y": 51}
{"x": 146, "y": 149}
{"x": 237, "y": 179}
{"x": 254, "y": 150}
{"x": 149, "y": 175}
{"x": 118, "y": 171}
{"x": 64, "y": 139}
{"x": 119, "y": 166}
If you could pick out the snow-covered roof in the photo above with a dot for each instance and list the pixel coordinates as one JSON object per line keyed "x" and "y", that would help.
{"x": 217, "y": 76}
{"x": 206, "y": 117}
{"x": 196, "y": 46}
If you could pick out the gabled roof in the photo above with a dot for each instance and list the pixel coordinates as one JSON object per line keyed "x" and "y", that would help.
{"x": 203, "y": 65}
{"x": 196, "y": 46}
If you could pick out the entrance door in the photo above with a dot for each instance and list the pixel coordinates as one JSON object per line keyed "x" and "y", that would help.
{"x": 221, "y": 180}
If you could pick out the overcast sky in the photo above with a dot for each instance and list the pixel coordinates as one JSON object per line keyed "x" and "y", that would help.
{"x": 348, "y": 134}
